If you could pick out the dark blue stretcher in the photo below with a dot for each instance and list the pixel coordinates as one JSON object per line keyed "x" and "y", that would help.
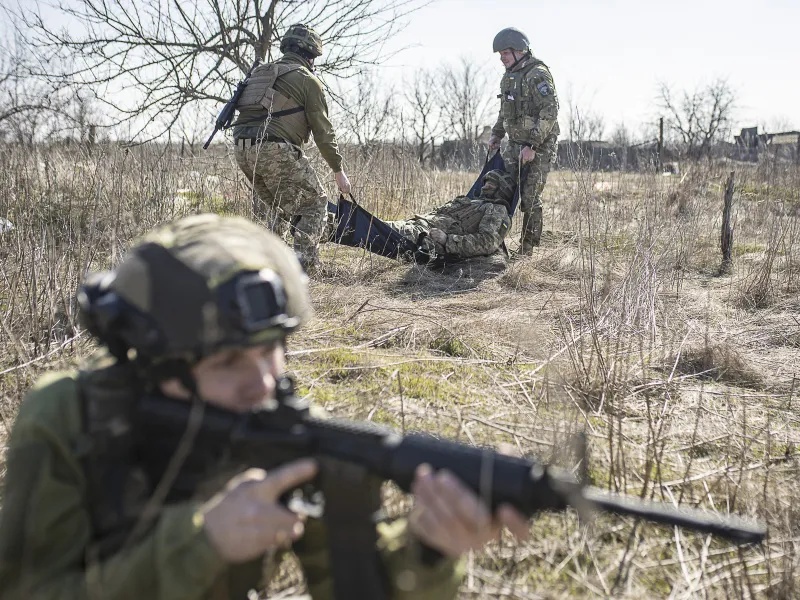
{"x": 357, "y": 227}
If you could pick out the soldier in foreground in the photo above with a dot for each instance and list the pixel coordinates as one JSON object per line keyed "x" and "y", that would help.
{"x": 529, "y": 114}
{"x": 281, "y": 106}
{"x": 465, "y": 227}
{"x": 94, "y": 507}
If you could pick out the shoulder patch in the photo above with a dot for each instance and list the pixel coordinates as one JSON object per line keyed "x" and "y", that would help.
{"x": 543, "y": 88}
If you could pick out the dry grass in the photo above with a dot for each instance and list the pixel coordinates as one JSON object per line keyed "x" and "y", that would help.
{"x": 619, "y": 326}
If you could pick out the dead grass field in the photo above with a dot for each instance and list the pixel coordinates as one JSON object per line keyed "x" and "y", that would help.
{"x": 619, "y": 326}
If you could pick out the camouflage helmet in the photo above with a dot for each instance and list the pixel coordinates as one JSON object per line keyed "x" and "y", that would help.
{"x": 194, "y": 287}
{"x": 512, "y": 38}
{"x": 504, "y": 182}
{"x": 304, "y": 38}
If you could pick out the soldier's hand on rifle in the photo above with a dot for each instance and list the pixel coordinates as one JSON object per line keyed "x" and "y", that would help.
{"x": 245, "y": 519}
{"x": 450, "y": 518}
{"x": 438, "y": 236}
{"x": 494, "y": 142}
{"x": 343, "y": 182}
{"x": 526, "y": 154}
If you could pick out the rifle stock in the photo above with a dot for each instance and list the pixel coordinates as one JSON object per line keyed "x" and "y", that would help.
{"x": 268, "y": 437}
{"x": 225, "y": 117}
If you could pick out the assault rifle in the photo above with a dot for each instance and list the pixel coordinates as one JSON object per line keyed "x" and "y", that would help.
{"x": 225, "y": 117}
{"x": 286, "y": 431}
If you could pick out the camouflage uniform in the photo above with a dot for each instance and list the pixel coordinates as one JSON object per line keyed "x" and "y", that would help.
{"x": 474, "y": 227}
{"x": 269, "y": 148}
{"x": 55, "y": 543}
{"x": 529, "y": 114}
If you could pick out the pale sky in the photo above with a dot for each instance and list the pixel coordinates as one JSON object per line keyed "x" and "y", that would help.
{"x": 613, "y": 52}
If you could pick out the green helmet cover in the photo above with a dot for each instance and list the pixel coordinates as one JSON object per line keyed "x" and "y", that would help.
{"x": 197, "y": 286}
{"x": 304, "y": 38}
{"x": 510, "y": 38}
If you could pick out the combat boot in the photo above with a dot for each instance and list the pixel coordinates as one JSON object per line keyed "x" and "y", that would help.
{"x": 531, "y": 230}
{"x": 308, "y": 256}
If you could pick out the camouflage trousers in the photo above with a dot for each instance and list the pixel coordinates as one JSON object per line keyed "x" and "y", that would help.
{"x": 412, "y": 229}
{"x": 287, "y": 194}
{"x": 530, "y": 195}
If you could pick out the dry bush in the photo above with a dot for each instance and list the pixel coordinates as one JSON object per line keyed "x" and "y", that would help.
{"x": 720, "y": 362}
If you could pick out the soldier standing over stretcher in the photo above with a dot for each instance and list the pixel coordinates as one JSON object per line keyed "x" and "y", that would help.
{"x": 281, "y": 106}
{"x": 529, "y": 114}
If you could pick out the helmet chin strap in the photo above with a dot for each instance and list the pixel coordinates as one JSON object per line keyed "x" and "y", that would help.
{"x": 526, "y": 54}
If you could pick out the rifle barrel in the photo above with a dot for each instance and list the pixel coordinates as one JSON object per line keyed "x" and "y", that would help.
{"x": 731, "y": 528}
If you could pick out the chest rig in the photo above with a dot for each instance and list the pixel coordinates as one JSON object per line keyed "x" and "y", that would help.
{"x": 460, "y": 217}
{"x": 521, "y": 100}
{"x": 124, "y": 458}
{"x": 261, "y": 100}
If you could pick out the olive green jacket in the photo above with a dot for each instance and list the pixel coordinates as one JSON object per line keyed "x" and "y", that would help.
{"x": 305, "y": 89}
{"x": 46, "y": 532}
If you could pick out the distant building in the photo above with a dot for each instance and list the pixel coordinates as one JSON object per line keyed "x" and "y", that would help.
{"x": 605, "y": 156}
{"x": 785, "y": 145}
{"x": 749, "y": 144}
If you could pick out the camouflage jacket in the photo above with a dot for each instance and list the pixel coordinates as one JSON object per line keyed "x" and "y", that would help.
{"x": 528, "y": 105}
{"x": 474, "y": 227}
{"x": 46, "y": 531}
{"x": 302, "y": 88}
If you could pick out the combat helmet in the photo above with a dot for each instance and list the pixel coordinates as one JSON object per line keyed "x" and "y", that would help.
{"x": 510, "y": 37}
{"x": 505, "y": 185}
{"x": 192, "y": 288}
{"x": 303, "y": 37}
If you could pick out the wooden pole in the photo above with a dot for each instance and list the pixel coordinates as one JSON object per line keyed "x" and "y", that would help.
{"x": 660, "y": 144}
{"x": 727, "y": 229}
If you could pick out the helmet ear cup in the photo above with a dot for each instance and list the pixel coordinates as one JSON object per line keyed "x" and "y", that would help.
{"x": 115, "y": 322}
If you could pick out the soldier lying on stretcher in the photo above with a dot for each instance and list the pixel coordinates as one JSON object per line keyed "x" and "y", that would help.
{"x": 465, "y": 227}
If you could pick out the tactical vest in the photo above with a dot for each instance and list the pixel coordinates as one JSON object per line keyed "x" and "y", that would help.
{"x": 521, "y": 101}
{"x": 116, "y": 489}
{"x": 124, "y": 461}
{"x": 260, "y": 100}
{"x": 466, "y": 217}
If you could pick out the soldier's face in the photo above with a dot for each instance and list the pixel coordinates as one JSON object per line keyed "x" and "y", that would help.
{"x": 236, "y": 380}
{"x": 489, "y": 189}
{"x": 508, "y": 57}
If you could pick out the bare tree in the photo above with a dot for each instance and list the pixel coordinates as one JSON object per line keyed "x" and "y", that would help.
{"x": 421, "y": 102}
{"x": 28, "y": 105}
{"x": 621, "y": 136}
{"x": 583, "y": 123}
{"x": 700, "y": 118}
{"x": 368, "y": 111}
{"x": 175, "y": 53}
{"x": 465, "y": 99}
